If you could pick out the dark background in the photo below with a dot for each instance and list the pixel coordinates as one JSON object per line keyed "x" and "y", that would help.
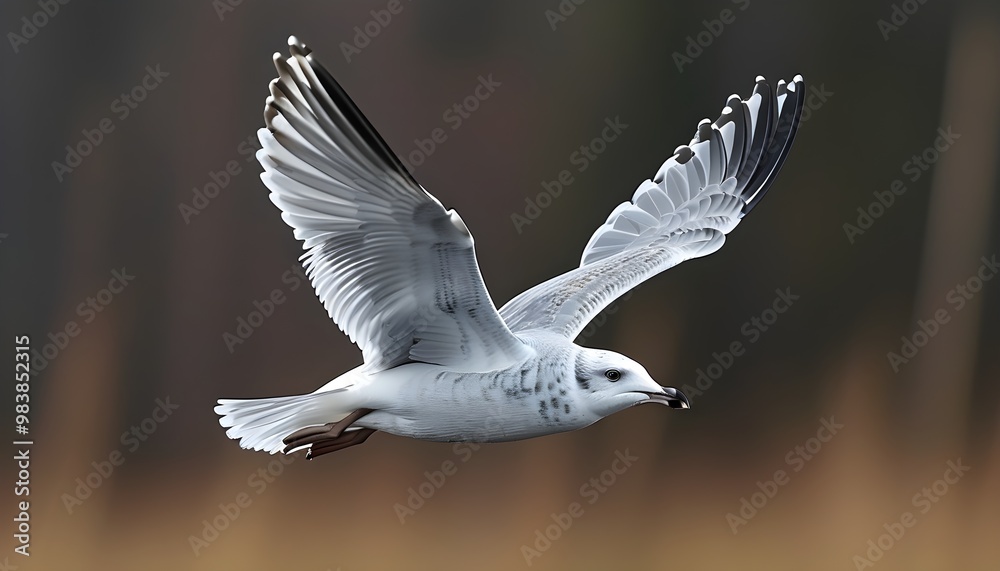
{"x": 883, "y": 101}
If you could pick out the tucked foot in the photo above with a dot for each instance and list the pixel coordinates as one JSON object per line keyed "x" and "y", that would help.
{"x": 312, "y": 435}
{"x": 345, "y": 440}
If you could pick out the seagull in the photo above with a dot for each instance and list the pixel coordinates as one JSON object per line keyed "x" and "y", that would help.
{"x": 397, "y": 272}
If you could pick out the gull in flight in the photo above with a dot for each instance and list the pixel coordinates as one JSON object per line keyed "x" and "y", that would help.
{"x": 397, "y": 272}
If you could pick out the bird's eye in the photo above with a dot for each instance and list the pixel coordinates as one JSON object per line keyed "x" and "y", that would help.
{"x": 613, "y": 374}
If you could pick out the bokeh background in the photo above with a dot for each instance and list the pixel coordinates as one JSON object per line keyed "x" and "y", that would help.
{"x": 879, "y": 96}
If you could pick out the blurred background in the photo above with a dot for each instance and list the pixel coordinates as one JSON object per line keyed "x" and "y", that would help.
{"x": 135, "y": 235}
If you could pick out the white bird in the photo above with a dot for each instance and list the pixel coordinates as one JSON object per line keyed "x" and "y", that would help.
{"x": 398, "y": 273}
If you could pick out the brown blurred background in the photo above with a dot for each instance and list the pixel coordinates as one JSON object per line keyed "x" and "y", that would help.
{"x": 880, "y": 93}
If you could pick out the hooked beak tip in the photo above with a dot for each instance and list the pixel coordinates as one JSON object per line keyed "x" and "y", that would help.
{"x": 680, "y": 403}
{"x": 670, "y": 397}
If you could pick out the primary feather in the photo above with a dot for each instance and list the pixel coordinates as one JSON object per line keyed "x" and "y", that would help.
{"x": 394, "y": 269}
{"x": 696, "y": 197}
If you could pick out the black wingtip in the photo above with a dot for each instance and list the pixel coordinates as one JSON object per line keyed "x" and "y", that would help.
{"x": 779, "y": 141}
{"x": 323, "y": 90}
{"x": 358, "y": 121}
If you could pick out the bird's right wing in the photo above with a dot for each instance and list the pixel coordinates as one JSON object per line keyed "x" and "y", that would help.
{"x": 394, "y": 269}
{"x": 697, "y": 197}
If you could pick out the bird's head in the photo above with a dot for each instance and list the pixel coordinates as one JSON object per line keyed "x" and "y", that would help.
{"x": 610, "y": 382}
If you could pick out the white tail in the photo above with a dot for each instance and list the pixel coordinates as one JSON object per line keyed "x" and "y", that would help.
{"x": 262, "y": 424}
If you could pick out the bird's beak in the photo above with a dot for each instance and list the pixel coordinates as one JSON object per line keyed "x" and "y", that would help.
{"x": 670, "y": 397}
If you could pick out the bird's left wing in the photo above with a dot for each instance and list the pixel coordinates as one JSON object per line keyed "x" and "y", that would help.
{"x": 697, "y": 197}
{"x": 394, "y": 269}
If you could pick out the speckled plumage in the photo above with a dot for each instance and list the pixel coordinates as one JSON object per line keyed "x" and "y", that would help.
{"x": 398, "y": 273}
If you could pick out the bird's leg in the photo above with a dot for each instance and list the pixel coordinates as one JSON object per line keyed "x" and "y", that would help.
{"x": 315, "y": 434}
{"x": 345, "y": 440}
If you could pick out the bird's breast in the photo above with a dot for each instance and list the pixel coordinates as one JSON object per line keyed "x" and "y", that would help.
{"x": 531, "y": 399}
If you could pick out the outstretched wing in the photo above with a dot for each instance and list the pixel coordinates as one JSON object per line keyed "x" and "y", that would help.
{"x": 394, "y": 269}
{"x": 697, "y": 197}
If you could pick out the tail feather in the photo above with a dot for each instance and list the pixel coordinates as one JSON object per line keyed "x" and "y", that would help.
{"x": 262, "y": 424}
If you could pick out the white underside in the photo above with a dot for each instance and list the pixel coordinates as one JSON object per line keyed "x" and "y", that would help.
{"x": 423, "y": 401}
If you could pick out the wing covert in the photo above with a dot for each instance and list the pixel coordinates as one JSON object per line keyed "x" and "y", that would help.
{"x": 685, "y": 211}
{"x": 394, "y": 269}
